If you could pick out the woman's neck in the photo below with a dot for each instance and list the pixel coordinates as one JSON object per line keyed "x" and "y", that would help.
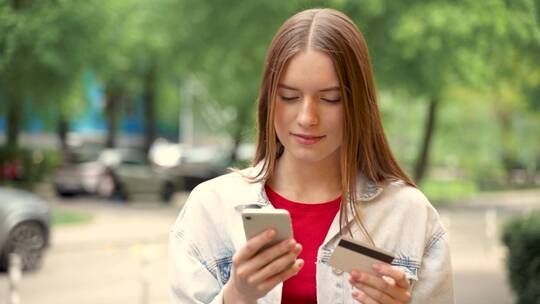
{"x": 306, "y": 182}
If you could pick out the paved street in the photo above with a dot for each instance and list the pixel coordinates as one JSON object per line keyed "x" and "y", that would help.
{"x": 102, "y": 262}
{"x": 121, "y": 256}
{"x": 478, "y": 262}
{"x": 478, "y": 255}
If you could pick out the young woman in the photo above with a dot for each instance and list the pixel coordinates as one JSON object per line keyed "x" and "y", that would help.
{"x": 321, "y": 154}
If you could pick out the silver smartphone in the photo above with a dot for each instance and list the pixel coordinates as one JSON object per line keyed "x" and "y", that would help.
{"x": 352, "y": 254}
{"x": 259, "y": 220}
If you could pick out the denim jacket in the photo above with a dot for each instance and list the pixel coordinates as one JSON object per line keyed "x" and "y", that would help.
{"x": 400, "y": 219}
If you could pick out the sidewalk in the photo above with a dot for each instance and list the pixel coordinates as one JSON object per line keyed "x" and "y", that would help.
{"x": 478, "y": 255}
{"x": 515, "y": 200}
{"x": 119, "y": 257}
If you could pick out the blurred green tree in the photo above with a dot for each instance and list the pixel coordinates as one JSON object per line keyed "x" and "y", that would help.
{"x": 223, "y": 45}
{"x": 135, "y": 55}
{"x": 423, "y": 49}
{"x": 43, "y": 46}
{"x": 211, "y": 54}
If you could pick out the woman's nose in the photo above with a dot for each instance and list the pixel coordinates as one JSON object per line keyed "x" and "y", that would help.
{"x": 309, "y": 112}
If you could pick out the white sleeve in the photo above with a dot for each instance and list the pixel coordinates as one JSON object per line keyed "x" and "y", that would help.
{"x": 435, "y": 280}
{"x": 190, "y": 279}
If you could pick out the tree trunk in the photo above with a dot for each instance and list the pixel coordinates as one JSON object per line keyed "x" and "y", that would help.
{"x": 17, "y": 4}
{"x": 237, "y": 140}
{"x": 422, "y": 161}
{"x": 149, "y": 108}
{"x": 63, "y": 129}
{"x": 13, "y": 115}
{"x": 508, "y": 157}
{"x": 112, "y": 100}
{"x": 14, "y": 121}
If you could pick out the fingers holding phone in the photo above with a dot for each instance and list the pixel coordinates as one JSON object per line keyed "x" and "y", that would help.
{"x": 276, "y": 262}
{"x": 268, "y": 258}
{"x": 254, "y": 272}
{"x": 276, "y": 253}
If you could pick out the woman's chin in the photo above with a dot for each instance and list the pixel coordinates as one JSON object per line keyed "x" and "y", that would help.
{"x": 309, "y": 157}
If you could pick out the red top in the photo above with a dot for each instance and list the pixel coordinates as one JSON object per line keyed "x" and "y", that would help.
{"x": 310, "y": 223}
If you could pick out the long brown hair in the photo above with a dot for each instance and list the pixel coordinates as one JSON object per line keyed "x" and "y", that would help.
{"x": 365, "y": 148}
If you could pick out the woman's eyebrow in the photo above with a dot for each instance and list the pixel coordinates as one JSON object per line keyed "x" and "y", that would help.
{"x": 334, "y": 88}
{"x": 284, "y": 86}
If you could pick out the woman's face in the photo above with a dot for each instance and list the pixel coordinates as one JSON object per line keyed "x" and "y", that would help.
{"x": 308, "y": 109}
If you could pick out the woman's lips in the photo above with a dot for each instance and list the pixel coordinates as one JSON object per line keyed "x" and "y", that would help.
{"x": 307, "y": 139}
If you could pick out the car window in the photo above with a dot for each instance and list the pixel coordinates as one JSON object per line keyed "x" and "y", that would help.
{"x": 134, "y": 159}
{"x": 79, "y": 157}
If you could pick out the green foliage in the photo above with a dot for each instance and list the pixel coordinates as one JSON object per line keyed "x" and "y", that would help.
{"x": 134, "y": 38}
{"x": 459, "y": 148}
{"x": 402, "y": 118}
{"x": 225, "y": 50}
{"x": 44, "y": 47}
{"x": 444, "y": 191}
{"x": 522, "y": 238}
{"x": 44, "y": 50}
{"x": 425, "y": 50}
{"x": 478, "y": 58}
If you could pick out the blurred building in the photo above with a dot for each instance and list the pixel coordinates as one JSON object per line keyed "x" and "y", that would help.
{"x": 40, "y": 125}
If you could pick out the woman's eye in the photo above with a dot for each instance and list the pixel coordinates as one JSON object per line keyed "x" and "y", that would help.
{"x": 288, "y": 98}
{"x": 331, "y": 100}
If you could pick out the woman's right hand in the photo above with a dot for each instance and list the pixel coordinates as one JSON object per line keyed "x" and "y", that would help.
{"x": 255, "y": 273}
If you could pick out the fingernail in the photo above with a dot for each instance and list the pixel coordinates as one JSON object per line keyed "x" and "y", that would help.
{"x": 271, "y": 233}
{"x": 356, "y": 274}
{"x": 358, "y": 294}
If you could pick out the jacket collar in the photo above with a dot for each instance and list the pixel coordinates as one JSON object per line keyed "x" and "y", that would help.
{"x": 255, "y": 197}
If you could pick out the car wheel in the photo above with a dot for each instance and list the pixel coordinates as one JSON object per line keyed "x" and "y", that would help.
{"x": 167, "y": 192}
{"x": 120, "y": 192}
{"x": 110, "y": 188}
{"x": 27, "y": 240}
{"x": 63, "y": 193}
{"x": 106, "y": 186}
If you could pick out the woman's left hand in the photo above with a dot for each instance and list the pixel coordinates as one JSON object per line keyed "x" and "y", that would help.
{"x": 390, "y": 286}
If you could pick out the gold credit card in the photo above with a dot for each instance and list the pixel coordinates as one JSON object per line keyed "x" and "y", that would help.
{"x": 352, "y": 254}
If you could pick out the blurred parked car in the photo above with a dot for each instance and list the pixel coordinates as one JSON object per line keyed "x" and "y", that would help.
{"x": 199, "y": 164}
{"x": 196, "y": 164}
{"x": 80, "y": 172}
{"x": 130, "y": 172}
{"x": 24, "y": 227}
